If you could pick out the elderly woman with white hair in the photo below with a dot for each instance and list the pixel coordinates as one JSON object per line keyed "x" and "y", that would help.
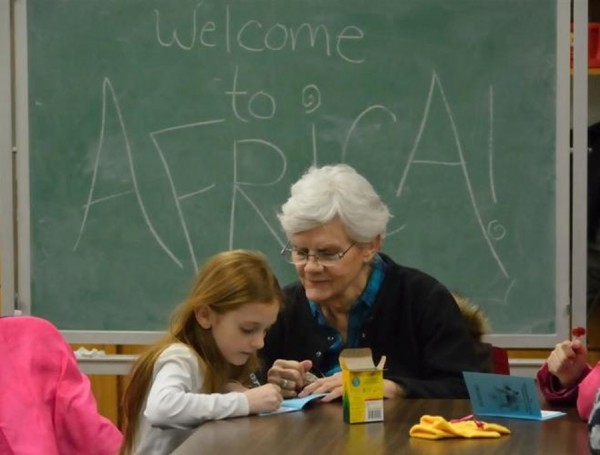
{"x": 351, "y": 295}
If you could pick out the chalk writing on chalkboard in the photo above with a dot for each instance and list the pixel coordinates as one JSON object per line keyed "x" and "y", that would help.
{"x": 183, "y": 128}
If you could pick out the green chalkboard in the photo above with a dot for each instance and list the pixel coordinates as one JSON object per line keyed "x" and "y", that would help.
{"x": 163, "y": 131}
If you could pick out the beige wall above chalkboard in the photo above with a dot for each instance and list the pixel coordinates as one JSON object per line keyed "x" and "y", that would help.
{"x": 161, "y": 132}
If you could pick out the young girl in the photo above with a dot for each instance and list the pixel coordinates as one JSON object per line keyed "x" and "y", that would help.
{"x": 46, "y": 402}
{"x": 199, "y": 370}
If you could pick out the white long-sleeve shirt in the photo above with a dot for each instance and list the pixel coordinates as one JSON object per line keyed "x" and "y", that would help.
{"x": 174, "y": 406}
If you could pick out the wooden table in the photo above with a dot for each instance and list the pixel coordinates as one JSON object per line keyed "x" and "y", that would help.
{"x": 320, "y": 430}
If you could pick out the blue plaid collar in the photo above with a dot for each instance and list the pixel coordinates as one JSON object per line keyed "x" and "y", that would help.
{"x": 359, "y": 314}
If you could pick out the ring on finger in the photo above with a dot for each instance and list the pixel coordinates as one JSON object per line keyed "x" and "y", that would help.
{"x": 284, "y": 384}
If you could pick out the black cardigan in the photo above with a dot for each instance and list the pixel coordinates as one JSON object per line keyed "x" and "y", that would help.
{"x": 415, "y": 323}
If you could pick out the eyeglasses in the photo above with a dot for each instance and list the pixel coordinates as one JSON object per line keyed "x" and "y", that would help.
{"x": 324, "y": 258}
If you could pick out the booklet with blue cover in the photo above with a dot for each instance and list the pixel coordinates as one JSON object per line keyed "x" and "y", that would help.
{"x": 501, "y": 395}
{"x": 294, "y": 404}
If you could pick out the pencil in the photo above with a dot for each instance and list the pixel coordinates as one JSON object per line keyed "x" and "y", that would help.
{"x": 254, "y": 380}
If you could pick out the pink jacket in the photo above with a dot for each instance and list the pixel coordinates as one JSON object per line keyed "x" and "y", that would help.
{"x": 583, "y": 393}
{"x": 46, "y": 403}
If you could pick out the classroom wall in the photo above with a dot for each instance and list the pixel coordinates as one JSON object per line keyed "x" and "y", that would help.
{"x": 593, "y": 99}
{"x": 593, "y": 319}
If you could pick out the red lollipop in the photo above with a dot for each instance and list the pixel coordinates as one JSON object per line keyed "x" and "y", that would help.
{"x": 578, "y": 332}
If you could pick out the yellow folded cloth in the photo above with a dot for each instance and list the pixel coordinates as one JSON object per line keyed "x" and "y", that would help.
{"x": 436, "y": 427}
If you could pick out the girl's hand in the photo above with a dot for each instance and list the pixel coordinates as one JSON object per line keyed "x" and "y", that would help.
{"x": 567, "y": 362}
{"x": 265, "y": 398}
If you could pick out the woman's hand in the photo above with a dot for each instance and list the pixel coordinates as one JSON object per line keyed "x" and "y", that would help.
{"x": 392, "y": 389}
{"x": 567, "y": 362}
{"x": 265, "y": 398}
{"x": 289, "y": 375}
{"x": 331, "y": 385}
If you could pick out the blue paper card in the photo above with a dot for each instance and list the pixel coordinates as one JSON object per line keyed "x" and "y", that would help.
{"x": 295, "y": 404}
{"x": 501, "y": 395}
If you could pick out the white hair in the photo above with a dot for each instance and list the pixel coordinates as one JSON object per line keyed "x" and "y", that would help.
{"x": 324, "y": 193}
